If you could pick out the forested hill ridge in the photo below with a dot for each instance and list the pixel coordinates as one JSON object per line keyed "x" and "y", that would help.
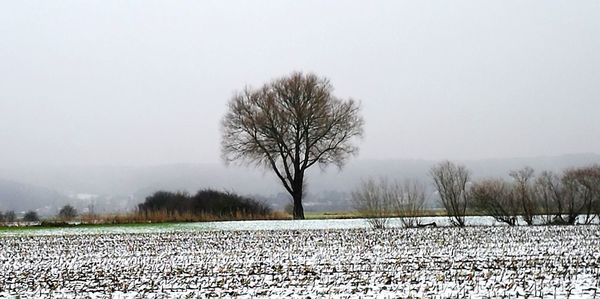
{"x": 106, "y": 188}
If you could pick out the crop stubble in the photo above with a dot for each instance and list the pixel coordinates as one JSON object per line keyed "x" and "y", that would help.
{"x": 433, "y": 262}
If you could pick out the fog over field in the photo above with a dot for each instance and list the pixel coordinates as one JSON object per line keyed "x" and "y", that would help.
{"x": 113, "y": 188}
{"x": 109, "y": 101}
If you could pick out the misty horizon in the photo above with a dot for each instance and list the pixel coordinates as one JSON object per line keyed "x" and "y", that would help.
{"x": 121, "y": 188}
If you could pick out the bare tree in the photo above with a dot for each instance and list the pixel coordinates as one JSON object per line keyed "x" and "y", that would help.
{"x": 572, "y": 200}
{"x": 567, "y": 197}
{"x": 496, "y": 198}
{"x": 450, "y": 181}
{"x": 548, "y": 189}
{"x": 409, "y": 201}
{"x": 289, "y": 125}
{"x": 524, "y": 193}
{"x": 374, "y": 201}
{"x": 583, "y": 186}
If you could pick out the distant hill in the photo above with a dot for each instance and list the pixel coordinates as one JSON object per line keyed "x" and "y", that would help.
{"x": 20, "y": 197}
{"x": 115, "y": 187}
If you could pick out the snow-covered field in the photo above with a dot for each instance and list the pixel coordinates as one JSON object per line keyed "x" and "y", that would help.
{"x": 171, "y": 262}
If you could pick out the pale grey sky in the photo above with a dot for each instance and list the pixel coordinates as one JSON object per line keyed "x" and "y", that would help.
{"x": 147, "y": 82}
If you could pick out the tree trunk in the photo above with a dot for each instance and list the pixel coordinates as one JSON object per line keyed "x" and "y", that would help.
{"x": 297, "y": 185}
{"x": 298, "y": 209}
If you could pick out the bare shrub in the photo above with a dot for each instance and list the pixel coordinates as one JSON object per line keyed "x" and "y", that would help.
{"x": 450, "y": 180}
{"x": 206, "y": 201}
{"x": 374, "y": 200}
{"x": 377, "y": 200}
{"x": 409, "y": 201}
{"x": 31, "y": 216}
{"x": 67, "y": 212}
{"x": 496, "y": 198}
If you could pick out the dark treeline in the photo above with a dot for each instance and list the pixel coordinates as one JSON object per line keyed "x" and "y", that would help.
{"x": 222, "y": 204}
{"x": 10, "y": 217}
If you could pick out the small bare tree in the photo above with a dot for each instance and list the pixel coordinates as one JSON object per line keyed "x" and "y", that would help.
{"x": 548, "y": 191}
{"x": 496, "y": 198}
{"x": 409, "y": 201}
{"x": 583, "y": 186}
{"x": 565, "y": 198}
{"x": 374, "y": 201}
{"x": 524, "y": 193}
{"x": 572, "y": 199}
{"x": 450, "y": 180}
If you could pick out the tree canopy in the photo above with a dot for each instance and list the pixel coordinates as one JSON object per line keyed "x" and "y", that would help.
{"x": 289, "y": 125}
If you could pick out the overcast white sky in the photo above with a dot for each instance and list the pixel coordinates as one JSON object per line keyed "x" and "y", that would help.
{"x": 147, "y": 82}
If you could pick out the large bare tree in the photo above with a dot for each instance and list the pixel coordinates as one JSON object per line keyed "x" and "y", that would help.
{"x": 451, "y": 183}
{"x": 289, "y": 125}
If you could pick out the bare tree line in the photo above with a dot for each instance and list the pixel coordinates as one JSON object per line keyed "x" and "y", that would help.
{"x": 566, "y": 198}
